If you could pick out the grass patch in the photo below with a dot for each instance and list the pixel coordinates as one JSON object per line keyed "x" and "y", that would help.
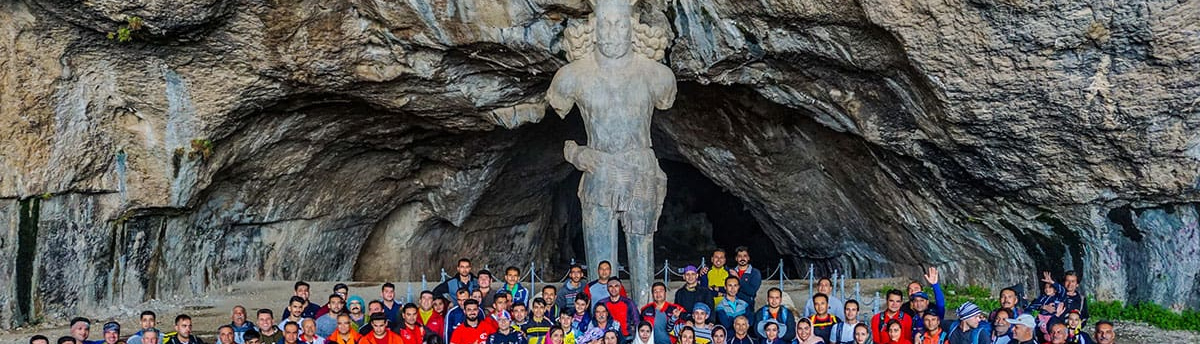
{"x": 1147, "y": 312}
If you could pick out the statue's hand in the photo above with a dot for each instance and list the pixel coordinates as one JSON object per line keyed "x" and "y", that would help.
{"x": 516, "y": 115}
{"x": 578, "y": 155}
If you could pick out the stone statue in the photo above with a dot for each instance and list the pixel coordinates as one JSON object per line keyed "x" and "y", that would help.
{"x": 616, "y": 81}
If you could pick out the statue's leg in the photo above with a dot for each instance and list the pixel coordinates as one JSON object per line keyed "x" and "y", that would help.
{"x": 640, "y": 223}
{"x": 599, "y": 236}
{"x": 641, "y": 264}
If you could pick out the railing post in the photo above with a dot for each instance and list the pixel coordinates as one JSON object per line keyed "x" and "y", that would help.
{"x": 857, "y": 293}
{"x": 842, "y": 287}
{"x": 424, "y": 283}
{"x": 781, "y": 273}
{"x": 875, "y": 304}
{"x": 409, "y": 297}
{"x": 702, "y": 262}
{"x": 443, "y": 277}
{"x": 532, "y": 281}
{"x": 666, "y": 272}
{"x": 810, "y": 281}
{"x": 833, "y": 282}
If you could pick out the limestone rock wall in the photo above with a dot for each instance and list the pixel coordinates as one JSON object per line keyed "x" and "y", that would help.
{"x": 232, "y": 139}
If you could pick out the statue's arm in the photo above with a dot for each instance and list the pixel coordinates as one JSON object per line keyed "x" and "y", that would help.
{"x": 665, "y": 88}
{"x": 561, "y": 95}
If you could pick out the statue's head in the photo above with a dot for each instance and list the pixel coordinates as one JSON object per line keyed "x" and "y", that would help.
{"x": 613, "y": 22}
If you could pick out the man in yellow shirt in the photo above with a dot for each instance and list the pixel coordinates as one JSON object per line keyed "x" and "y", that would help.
{"x": 715, "y": 276}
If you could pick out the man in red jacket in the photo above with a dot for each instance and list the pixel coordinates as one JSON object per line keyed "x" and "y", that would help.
{"x": 379, "y": 331}
{"x": 661, "y": 315}
{"x": 622, "y": 309}
{"x": 473, "y": 330}
{"x": 429, "y": 317}
{"x": 879, "y": 321}
{"x": 411, "y": 331}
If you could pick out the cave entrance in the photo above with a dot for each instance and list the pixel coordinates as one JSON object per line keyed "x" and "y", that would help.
{"x": 698, "y": 215}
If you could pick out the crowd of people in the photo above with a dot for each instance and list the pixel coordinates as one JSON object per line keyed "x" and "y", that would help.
{"x": 716, "y": 305}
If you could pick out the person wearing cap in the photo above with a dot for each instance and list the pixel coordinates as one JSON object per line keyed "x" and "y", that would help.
{"x": 919, "y": 306}
{"x": 327, "y": 323}
{"x": 714, "y": 276}
{"x": 933, "y": 334}
{"x": 572, "y": 286}
{"x": 770, "y": 332}
{"x": 504, "y": 332}
{"x": 660, "y": 314}
{"x": 698, "y": 323}
{"x": 354, "y": 308}
{"x": 970, "y": 328}
{"x": 1022, "y": 329}
{"x": 473, "y": 329}
{"x": 775, "y": 310}
{"x": 919, "y": 302}
{"x": 892, "y": 312}
{"x": 80, "y": 329}
{"x": 692, "y": 291}
{"x": 750, "y": 278}
{"x": 621, "y": 308}
{"x": 825, "y": 286}
{"x": 379, "y": 331}
{"x": 729, "y": 307}
{"x": 821, "y": 322}
{"x": 112, "y": 333}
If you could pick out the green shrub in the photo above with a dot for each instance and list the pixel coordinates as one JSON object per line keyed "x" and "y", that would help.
{"x": 1147, "y": 312}
{"x": 126, "y": 32}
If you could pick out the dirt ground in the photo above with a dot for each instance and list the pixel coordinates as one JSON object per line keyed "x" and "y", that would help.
{"x": 212, "y": 310}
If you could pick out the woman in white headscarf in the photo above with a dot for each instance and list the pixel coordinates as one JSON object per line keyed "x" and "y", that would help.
{"x": 645, "y": 334}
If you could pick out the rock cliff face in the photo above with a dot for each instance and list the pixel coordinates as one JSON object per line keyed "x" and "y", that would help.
{"x": 227, "y": 140}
